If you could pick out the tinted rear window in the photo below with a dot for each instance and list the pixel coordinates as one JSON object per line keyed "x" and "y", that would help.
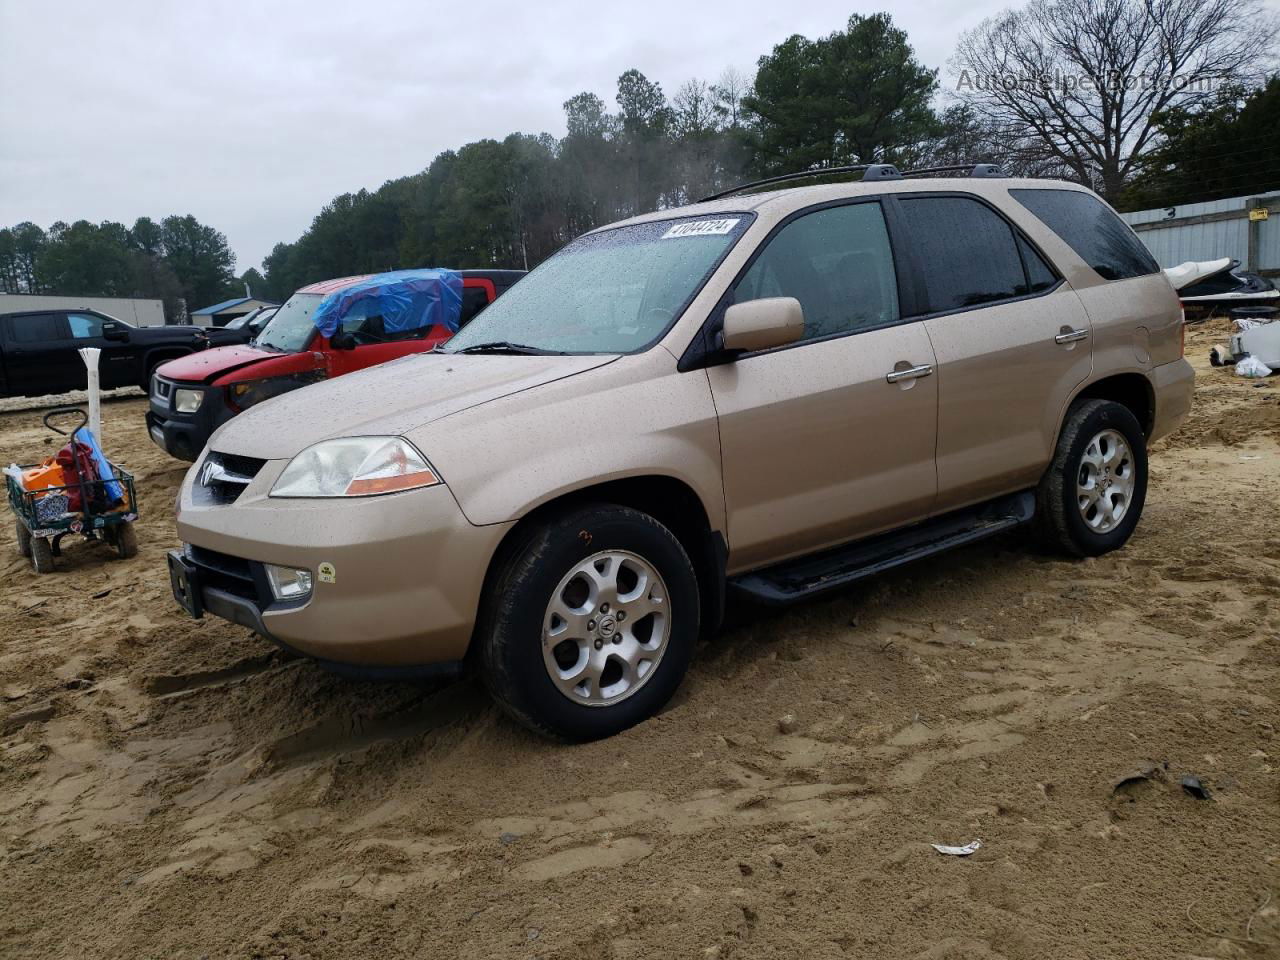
{"x": 966, "y": 253}
{"x": 474, "y": 299}
{"x": 36, "y": 328}
{"x": 1040, "y": 275}
{"x": 1092, "y": 230}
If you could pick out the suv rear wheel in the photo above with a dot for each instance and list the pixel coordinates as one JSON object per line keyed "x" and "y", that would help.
{"x": 1091, "y": 497}
{"x": 590, "y": 623}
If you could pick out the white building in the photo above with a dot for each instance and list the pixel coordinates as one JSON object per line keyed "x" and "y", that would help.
{"x": 138, "y": 312}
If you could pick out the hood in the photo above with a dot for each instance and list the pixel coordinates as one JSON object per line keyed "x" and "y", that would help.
{"x": 208, "y": 365}
{"x": 1194, "y": 271}
{"x": 391, "y": 400}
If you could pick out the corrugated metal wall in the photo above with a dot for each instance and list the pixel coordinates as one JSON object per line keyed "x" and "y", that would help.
{"x": 1208, "y": 231}
{"x": 139, "y": 312}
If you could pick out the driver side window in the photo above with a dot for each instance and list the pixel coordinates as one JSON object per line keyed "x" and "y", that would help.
{"x": 85, "y": 326}
{"x": 837, "y": 262}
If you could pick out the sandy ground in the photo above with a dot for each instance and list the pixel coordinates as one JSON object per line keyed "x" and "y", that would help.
{"x": 171, "y": 788}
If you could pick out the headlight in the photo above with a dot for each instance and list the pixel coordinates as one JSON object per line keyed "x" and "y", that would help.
{"x": 187, "y": 401}
{"x": 247, "y": 393}
{"x": 355, "y": 467}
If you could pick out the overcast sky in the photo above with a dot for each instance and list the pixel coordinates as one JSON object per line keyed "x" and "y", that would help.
{"x": 252, "y": 115}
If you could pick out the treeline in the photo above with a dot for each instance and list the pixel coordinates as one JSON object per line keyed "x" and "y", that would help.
{"x": 858, "y": 95}
{"x": 513, "y": 202}
{"x": 179, "y": 260}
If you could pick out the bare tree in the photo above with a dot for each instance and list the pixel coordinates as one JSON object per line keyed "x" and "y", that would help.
{"x": 1075, "y": 84}
{"x": 693, "y": 113}
{"x": 727, "y": 94}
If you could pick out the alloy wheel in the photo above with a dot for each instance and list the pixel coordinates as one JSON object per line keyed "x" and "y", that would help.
{"x": 606, "y": 628}
{"x": 1105, "y": 482}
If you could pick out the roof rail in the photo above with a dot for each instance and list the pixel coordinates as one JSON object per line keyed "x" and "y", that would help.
{"x": 869, "y": 171}
{"x": 972, "y": 169}
{"x": 783, "y": 178}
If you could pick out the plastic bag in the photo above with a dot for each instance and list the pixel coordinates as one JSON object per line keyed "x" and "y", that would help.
{"x": 1253, "y": 368}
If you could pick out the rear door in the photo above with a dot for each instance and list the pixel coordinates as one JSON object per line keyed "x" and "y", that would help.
{"x": 831, "y": 438}
{"x": 1012, "y": 342}
{"x": 38, "y": 358}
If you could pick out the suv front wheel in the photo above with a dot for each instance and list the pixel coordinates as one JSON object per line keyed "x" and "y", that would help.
{"x": 1091, "y": 497}
{"x": 589, "y": 623}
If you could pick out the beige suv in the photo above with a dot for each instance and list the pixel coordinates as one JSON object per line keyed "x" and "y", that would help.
{"x": 771, "y": 394}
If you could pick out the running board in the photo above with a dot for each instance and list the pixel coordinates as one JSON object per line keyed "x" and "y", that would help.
{"x": 819, "y": 573}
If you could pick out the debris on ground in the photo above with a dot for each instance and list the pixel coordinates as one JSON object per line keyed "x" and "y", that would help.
{"x": 1147, "y": 771}
{"x": 1194, "y": 787}
{"x": 1253, "y": 368}
{"x": 964, "y": 851}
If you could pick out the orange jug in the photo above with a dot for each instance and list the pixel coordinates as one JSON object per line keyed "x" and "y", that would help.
{"x": 47, "y": 474}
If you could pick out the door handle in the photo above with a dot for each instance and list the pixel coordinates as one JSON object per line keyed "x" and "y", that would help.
{"x": 910, "y": 373}
{"x": 1071, "y": 336}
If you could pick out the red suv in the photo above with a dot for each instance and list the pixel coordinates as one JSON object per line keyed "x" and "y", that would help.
{"x": 194, "y": 395}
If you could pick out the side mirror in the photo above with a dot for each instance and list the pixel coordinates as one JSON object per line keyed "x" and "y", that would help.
{"x": 113, "y": 331}
{"x": 762, "y": 324}
{"x": 342, "y": 340}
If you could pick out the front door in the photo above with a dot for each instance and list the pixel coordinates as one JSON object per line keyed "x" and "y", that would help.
{"x": 120, "y": 363}
{"x": 1012, "y": 341}
{"x": 831, "y": 438}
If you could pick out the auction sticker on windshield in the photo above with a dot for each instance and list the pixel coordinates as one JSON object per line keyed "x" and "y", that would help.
{"x": 700, "y": 228}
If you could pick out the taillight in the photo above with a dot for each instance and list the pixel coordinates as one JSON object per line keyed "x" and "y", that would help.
{"x": 1182, "y": 343}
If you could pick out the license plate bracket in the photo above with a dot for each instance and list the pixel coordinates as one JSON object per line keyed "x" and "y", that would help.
{"x": 184, "y": 578}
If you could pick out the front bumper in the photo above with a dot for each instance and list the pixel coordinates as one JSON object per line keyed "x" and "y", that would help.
{"x": 184, "y": 435}
{"x": 1174, "y": 385}
{"x": 408, "y": 570}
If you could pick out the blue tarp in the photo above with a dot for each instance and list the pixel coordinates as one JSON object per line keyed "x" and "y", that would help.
{"x": 405, "y": 299}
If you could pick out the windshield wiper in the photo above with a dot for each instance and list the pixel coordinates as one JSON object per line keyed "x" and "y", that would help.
{"x": 506, "y": 346}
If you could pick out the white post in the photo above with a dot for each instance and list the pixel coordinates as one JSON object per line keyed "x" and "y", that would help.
{"x": 90, "y": 356}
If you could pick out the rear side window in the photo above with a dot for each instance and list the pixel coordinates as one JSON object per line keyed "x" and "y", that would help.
{"x": 966, "y": 252}
{"x": 1040, "y": 275}
{"x": 837, "y": 262}
{"x": 1092, "y": 230}
{"x": 37, "y": 328}
{"x": 474, "y": 299}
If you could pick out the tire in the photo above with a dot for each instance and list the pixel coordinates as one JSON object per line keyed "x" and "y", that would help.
{"x": 24, "y": 537}
{"x": 41, "y": 555}
{"x": 125, "y": 541}
{"x": 1086, "y": 484}
{"x": 548, "y": 562}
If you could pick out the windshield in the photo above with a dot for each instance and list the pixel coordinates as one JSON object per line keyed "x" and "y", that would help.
{"x": 611, "y": 292}
{"x": 290, "y": 329}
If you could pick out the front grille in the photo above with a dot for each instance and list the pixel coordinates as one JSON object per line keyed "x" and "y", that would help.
{"x": 222, "y": 477}
{"x": 224, "y": 572}
{"x": 161, "y": 389}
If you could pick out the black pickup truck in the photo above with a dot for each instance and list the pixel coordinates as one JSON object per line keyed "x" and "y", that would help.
{"x": 38, "y": 350}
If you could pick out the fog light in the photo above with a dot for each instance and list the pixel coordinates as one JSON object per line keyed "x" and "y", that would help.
{"x": 187, "y": 401}
{"x": 289, "y": 583}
